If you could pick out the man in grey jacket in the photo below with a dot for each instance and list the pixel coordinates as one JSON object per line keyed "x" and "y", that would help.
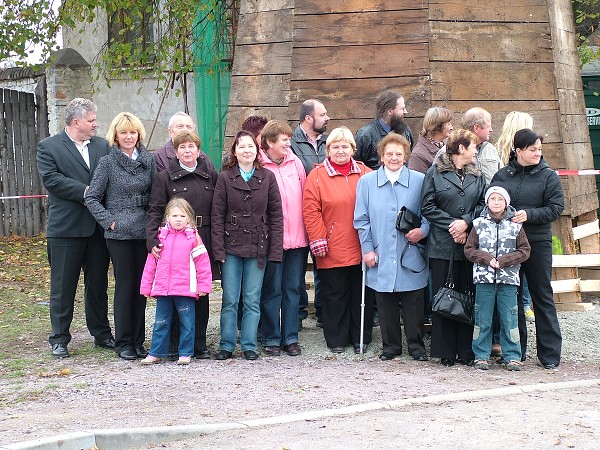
{"x": 308, "y": 143}
{"x": 479, "y": 121}
{"x": 66, "y": 164}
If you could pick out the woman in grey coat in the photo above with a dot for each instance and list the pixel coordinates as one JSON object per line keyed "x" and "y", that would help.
{"x": 118, "y": 198}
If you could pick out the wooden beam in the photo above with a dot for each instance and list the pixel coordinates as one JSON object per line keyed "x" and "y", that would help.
{"x": 588, "y": 229}
{"x": 589, "y": 260}
{"x": 588, "y": 286}
{"x": 562, "y": 286}
{"x": 574, "y": 306}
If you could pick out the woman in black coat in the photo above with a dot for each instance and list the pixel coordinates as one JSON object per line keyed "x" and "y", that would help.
{"x": 537, "y": 195}
{"x": 191, "y": 176}
{"x": 453, "y": 196}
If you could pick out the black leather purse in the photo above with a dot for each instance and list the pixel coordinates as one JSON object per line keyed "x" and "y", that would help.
{"x": 407, "y": 220}
{"x": 452, "y": 304}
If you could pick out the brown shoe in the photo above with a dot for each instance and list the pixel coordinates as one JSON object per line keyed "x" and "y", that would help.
{"x": 272, "y": 350}
{"x": 292, "y": 349}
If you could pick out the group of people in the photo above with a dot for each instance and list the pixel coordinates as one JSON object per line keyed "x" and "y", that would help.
{"x": 171, "y": 224}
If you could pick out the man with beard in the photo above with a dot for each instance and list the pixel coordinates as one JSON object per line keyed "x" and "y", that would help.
{"x": 308, "y": 140}
{"x": 390, "y": 117}
{"x": 308, "y": 143}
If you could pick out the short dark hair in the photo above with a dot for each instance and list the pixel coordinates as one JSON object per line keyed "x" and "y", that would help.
{"x": 186, "y": 136}
{"x": 254, "y": 124}
{"x": 307, "y": 108}
{"x": 385, "y": 101}
{"x": 526, "y": 138}
{"x": 233, "y": 161}
{"x": 460, "y": 137}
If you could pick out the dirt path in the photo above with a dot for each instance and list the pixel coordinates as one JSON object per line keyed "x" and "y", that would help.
{"x": 105, "y": 392}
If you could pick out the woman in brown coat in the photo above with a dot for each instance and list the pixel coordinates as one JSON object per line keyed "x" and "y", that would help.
{"x": 191, "y": 176}
{"x": 247, "y": 231}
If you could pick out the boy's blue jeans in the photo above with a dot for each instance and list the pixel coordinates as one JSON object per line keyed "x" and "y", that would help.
{"x": 186, "y": 309}
{"x": 487, "y": 295}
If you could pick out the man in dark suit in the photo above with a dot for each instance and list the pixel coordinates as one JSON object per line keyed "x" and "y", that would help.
{"x": 66, "y": 163}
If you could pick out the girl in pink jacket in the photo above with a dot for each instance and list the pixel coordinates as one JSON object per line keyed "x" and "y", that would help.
{"x": 176, "y": 279}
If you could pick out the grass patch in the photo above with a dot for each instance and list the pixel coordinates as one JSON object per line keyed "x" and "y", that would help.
{"x": 24, "y": 311}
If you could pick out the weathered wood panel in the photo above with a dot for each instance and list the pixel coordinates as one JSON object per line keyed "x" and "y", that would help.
{"x": 394, "y": 27}
{"x": 529, "y": 11}
{"x": 341, "y": 6}
{"x": 494, "y": 81}
{"x": 571, "y": 101}
{"x": 367, "y": 61}
{"x": 257, "y": 28}
{"x": 351, "y": 98}
{"x": 470, "y": 41}
{"x": 259, "y": 59}
{"x": 264, "y": 90}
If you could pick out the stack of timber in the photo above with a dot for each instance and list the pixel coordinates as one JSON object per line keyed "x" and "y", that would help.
{"x": 577, "y": 273}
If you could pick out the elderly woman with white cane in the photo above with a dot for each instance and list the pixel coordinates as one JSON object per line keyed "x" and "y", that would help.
{"x": 387, "y": 217}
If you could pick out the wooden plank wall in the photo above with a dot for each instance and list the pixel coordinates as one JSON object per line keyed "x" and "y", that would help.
{"x": 346, "y": 52}
{"x": 18, "y": 168}
{"x": 502, "y": 56}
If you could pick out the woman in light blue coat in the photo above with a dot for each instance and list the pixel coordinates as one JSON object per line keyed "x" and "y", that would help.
{"x": 395, "y": 264}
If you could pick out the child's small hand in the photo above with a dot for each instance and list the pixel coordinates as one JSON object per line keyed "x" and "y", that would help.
{"x": 202, "y": 294}
{"x": 494, "y": 263}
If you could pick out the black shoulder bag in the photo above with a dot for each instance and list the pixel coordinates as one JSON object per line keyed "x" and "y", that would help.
{"x": 452, "y": 304}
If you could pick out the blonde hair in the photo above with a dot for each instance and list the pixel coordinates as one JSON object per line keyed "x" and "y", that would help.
{"x": 183, "y": 205}
{"x": 125, "y": 121}
{"x": 340, "y": 134}
{"x": 514, "y": 122}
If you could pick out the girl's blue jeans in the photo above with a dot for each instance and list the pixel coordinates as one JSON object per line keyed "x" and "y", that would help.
{"x": 165, "y": 306}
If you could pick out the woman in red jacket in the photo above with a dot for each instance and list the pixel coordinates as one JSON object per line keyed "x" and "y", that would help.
{"x": 329, "y": 198}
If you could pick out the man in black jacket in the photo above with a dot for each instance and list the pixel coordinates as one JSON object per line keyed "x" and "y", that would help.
{"x": 66, "y": 164}
{"x": 390, "y": 117}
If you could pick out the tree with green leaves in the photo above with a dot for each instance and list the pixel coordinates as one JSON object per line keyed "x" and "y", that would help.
{"x": 146, "y": 38}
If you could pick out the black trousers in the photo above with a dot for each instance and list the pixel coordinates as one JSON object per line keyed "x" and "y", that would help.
{"x": 538, "y": 269}
{"x": 388, "y": 304}
{"x": 201, "y": 324}
{"x": 128, "y": 258}
{"x": 340, "y": 295}
{"x": 450, "y": 338}
{"x": 67, "y": 256}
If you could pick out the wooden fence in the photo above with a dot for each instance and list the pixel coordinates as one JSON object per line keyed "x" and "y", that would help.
{"x": 19, "y": 134}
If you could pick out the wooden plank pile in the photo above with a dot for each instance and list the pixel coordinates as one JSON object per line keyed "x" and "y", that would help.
{"x": 578, "y": 272}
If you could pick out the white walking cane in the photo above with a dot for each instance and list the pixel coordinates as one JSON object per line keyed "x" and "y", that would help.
{"x": 362, "y": 310}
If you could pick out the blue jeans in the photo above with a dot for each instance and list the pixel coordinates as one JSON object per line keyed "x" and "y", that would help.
{"x": 240, "y": 275}
{"x": 487, "y": 295}
{"x": 281, "y": 292}
{"x": 186, "y": 309}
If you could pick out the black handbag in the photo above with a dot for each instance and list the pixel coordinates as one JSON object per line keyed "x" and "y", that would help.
{"x": 407, "y": 220}
{"x": 452, "y": 304}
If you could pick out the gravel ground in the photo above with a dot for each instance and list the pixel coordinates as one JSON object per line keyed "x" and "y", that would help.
{"x": 79, "y": 393}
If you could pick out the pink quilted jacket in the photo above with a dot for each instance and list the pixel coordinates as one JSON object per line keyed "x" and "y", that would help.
{"x": 183, "y": 268}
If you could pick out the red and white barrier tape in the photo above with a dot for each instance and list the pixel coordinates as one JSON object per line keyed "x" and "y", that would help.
{"x": 564, "y": 172}
{"x": 12, "y": 197}
{"x": 578, "y": 172}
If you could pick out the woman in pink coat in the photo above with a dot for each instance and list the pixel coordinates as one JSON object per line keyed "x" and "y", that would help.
{"x": 177, "y": 279}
